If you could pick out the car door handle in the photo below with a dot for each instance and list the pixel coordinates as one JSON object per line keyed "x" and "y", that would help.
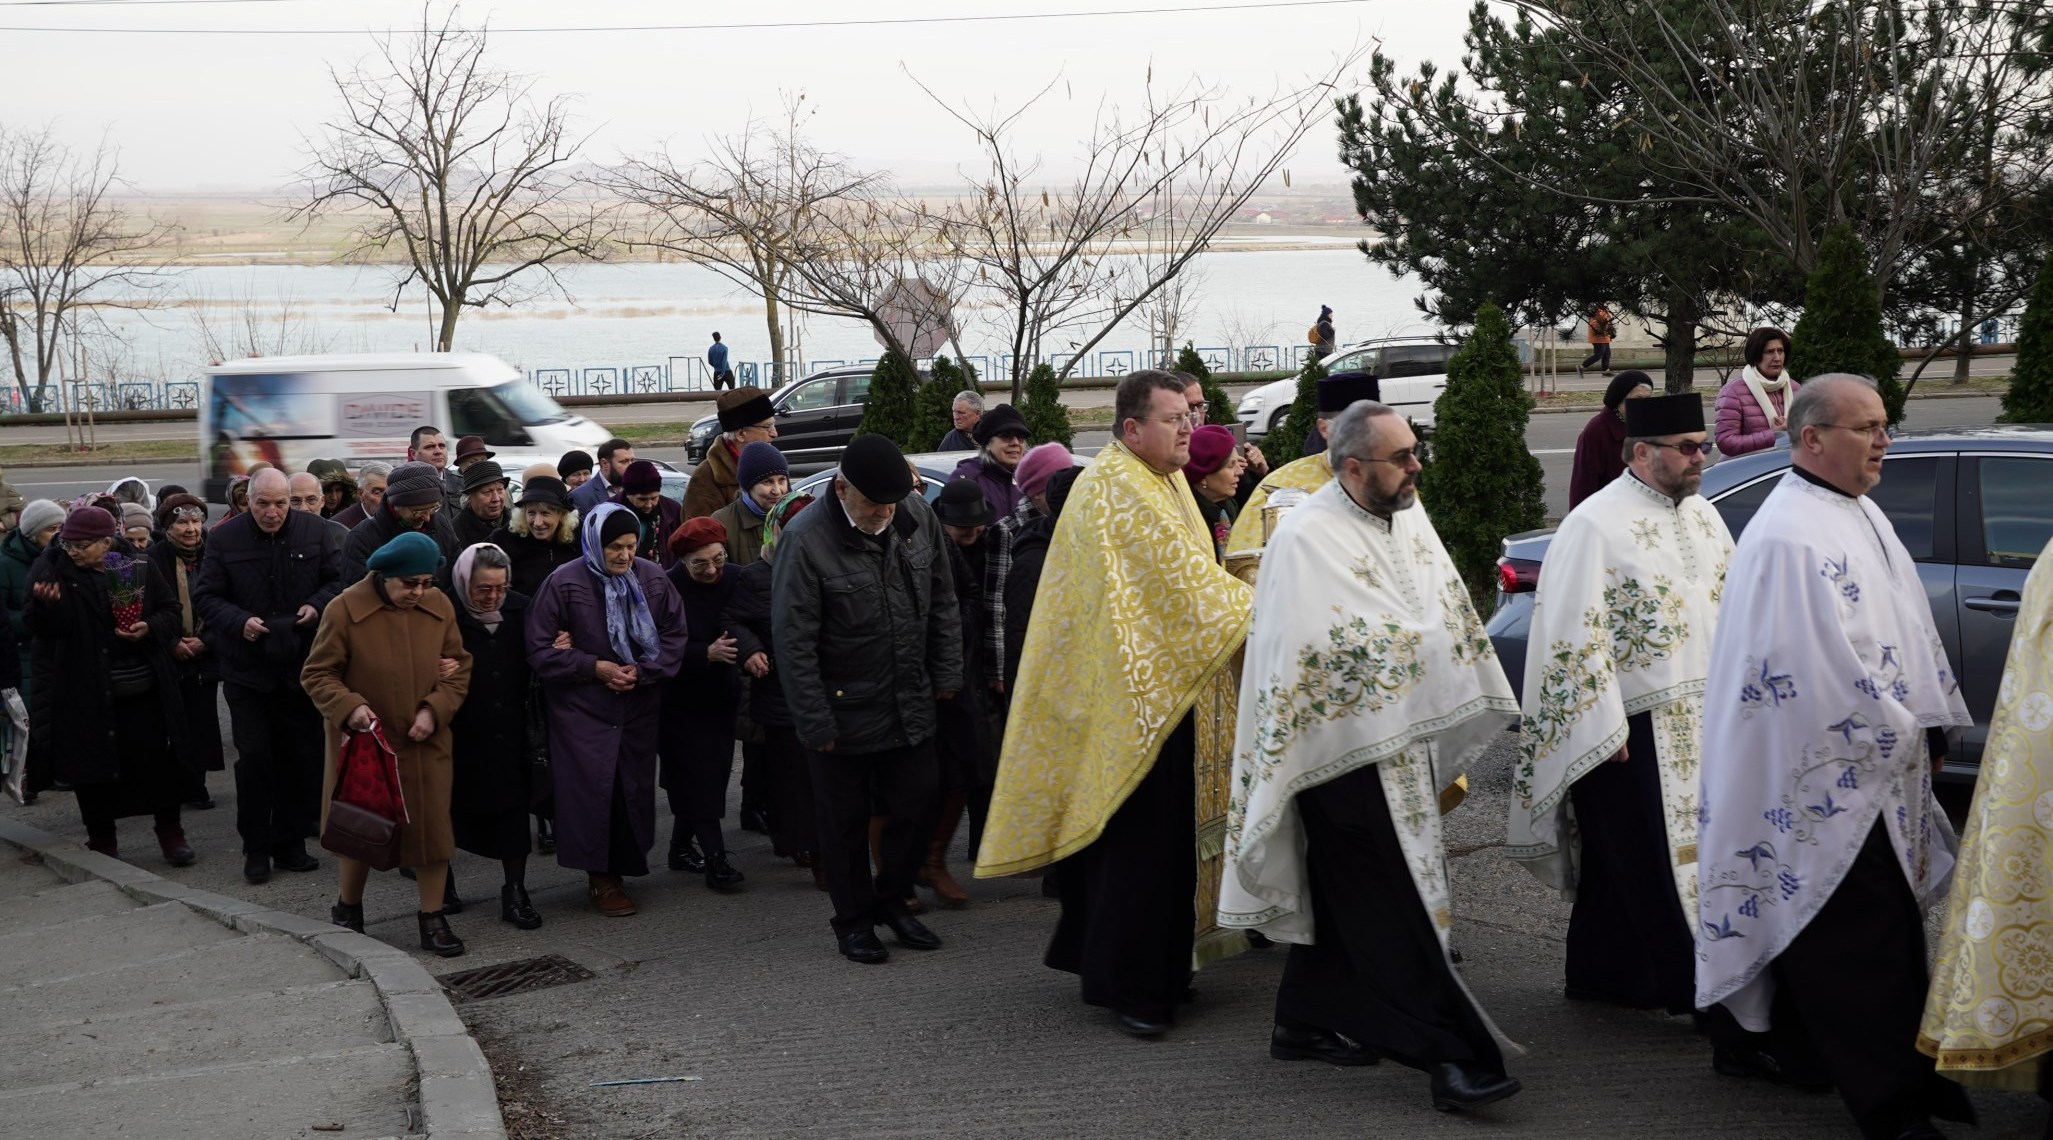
{"x": 2003, "y": 603}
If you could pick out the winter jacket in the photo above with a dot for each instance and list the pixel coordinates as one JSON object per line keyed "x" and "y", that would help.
{"x": 714, "y": 482}
{"x": 17, "y": 554}
{"x": 471, "y": 530}
{"x": 867, "y": 627}
{"x": 1599, "y": 456}
{"x": 533, "y": 559}
{"x": 247, "y": 574}
{"x": 489, "y": 765}
{"x": 748, "y": 608}
{"x": 995, "y": 481}
{"x": 656, "y": 535}
{"x": 1029, "y": 554}
{"x": 381, "y": 528}
{"x": 744, "y": 533}
{"x": 1741, "y": 425}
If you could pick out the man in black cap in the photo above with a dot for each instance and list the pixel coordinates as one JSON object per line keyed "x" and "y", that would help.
{"x": 1604, "y": 805}
{"x": 641, "y": 490}
{"x": 413, "y": 501}
{"x": 1001, "y": 438}
{"x": 865, "y": 618}
{"x": 268, "y": 574}
{"x": 746, "y": 415}
{"x": 484, "y": 503}
{"x": 575, "y": 467}
{"x": 470, "y": 451}
{"x": 1308, "y": 473}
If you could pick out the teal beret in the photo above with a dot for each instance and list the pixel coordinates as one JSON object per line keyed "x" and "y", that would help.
{"x": 406, "y": 556}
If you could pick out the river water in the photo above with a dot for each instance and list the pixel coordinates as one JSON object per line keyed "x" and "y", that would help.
{"x": 639, "y": 314}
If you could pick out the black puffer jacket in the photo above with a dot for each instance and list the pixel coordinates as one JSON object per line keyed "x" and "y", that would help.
{"x": 247, "y": 574}
{"x": 367, "y": 536}
{"x": 1029, "y": 554}
{"x": 867, "y": 627}
{"x": 748, "y": 607}
{"x": 533, "y": 560}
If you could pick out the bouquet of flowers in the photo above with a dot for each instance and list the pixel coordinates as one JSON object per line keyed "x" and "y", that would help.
{"x": 125, "y": 579}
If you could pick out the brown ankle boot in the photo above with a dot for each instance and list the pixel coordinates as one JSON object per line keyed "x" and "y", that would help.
{"x": 934, "y": 873}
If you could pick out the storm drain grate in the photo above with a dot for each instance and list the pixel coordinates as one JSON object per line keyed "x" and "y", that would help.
{"x": 515, "y": 978}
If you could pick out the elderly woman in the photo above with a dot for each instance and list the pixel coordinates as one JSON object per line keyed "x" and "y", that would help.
{"x": 540, "y": 534}
{"x": 182, "y": 520}
{"x": 489, "y": 806}
{"x": 794, "y": 830}
{"x": 1214, "y": 474}
{"x": 370, "y": 494}
{"x": 389, "y": 653}
{"x": 699, "y": 710}
{"x": 1600, "y": 449}
{"x": 604, "y": 633}
{"x": 138, "y": 526}
{"x": 105, "y": 714}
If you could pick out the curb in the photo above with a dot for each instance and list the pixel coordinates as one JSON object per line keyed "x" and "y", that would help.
{"x": 458, "y": 1098}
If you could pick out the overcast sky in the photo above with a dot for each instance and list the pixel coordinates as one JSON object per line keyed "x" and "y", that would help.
{"x": 217, "y": 111}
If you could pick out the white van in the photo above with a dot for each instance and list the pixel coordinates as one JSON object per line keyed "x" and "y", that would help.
{"x": 289, "y": 410}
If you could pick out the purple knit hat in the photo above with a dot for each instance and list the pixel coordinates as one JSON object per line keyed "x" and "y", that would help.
{"x": 1038, "y": 466}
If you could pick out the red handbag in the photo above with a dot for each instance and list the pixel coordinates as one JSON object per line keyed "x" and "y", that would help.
{"x": 368, "y": 805}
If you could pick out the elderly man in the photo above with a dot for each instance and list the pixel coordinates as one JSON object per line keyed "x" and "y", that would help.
{"x": 1309, "y": 473}
{"x": 484, "y": 503}
{"x": 1358, "y": 707}
{"x": 1135, "y": 624}
{"x": 1820, "y": 841}
{"x": 765, "y": 477}
{"x": 863, "y": 615}
{"x": 1604, "y": 801}
{"x": 266, "y": 577}
{"x": 1002, "y": 435}
{"x": 428, "y": 445}
{"x": 413, "y": 501}
{"x": 614, "y": 457}
{"x": 966, "y": 411}
{"x": 746, "y": 416}
{"x": 303, "y": 492}
{"x": 370, "y": 492}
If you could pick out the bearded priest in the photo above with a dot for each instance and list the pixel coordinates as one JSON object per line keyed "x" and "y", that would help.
{"x": 1604, "y": 798}
{"x": 1821, "y": 842}
{"x": 1336, "y": 393}
{"x": 1369, "y": 685}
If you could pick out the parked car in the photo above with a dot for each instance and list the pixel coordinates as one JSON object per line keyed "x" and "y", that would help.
{"x": 816, "y": 416}
{"x": 936, "y": 467}
{"x": 1971, "y": 507}
{"x": 1411, "y": 373}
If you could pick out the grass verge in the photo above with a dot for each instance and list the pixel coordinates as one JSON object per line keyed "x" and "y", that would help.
{"x": 34, "y": 454}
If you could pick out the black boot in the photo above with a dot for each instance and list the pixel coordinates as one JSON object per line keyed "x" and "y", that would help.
{"x": 436, "y": 937}
{"x": 721, "y": 874}
{"x": 684, "y": 852}
{"x": 545, "y": 835}
{"x": 515, "y": 908}
{"x": 450, "y": 903}
{"x": 1467, "y": 1086}
{"x": 349, "y": 915}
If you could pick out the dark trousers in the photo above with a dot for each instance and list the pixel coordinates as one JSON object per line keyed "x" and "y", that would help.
{"x": 723, "y": 379}
{"x": 1600, "y": 355}
{"x": 277, "y": 767}
{"x": 1628, "y": 941}
{"x": 1850, "y": 993}
{"x": 203, "y": 730}
{"x": 1127, "y": 920}
{"x": 100, "y": 805}
{"x": 1377, "y": 972}
{"x": 795, "y": 825}
{"x": 899, "y": 784}
{"x": 756, "y": 793}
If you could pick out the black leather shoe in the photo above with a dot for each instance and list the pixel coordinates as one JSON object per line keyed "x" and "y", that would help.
{"x": 436, "y": 937}
{"x": 1288, "y": 1044}
{"x": 686, "y": 856}
{"x": 721, "y": 874}
{"x": 1140, "y": 1026}
{"x": 1459, "y": 1086}
{"x": 911, "y": 932}
{"x": 515, "y": 908}
{"x": 256, "y": 868}
{"x": 1756, "y": 1063}
{"x": 862, "y": 946}
{"x": 545, "y": 836}
{"x": 294, "y": 857}
{"x": 754, "y": 818}
{"x": 347, "y": 915}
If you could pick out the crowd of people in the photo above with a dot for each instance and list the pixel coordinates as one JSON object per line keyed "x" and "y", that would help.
{"x": 1211, "y": 705}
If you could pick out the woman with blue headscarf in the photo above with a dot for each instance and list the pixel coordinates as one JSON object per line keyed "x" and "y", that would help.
{"x": 603, "y": 634}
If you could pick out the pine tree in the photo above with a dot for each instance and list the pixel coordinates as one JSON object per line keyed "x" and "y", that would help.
{"x": 1483, "y": 483}
{"x": 1046, "y": 418}
{"x": 1841, "y": 326}
{"x": 1218, "y": 405}
{"x": 2030, "y": 399}
{"x": 891, "y": 411}
{"x": 934, "y": 404}
{"x": 1287, "y": 442}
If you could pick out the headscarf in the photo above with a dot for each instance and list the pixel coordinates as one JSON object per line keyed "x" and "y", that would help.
{"x": 630, "y": 628}
{"x": 129, "y": 489}
{"x": 459, "y": 577}
{"x": 786, "y": 507}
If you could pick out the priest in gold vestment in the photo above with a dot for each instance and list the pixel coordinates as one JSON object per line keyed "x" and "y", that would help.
{"x": 1304, "y": 475}
{"x": 1134, "y": 632}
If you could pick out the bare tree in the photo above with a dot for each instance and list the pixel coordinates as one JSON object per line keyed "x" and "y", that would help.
{"x": 884, "y": 260}
{"x": 739, "y": 211}
{"x": 1072, "y": 260}
{"x": 68, "y": 248}
{"x": 253, "y": 326}
{"x": 455, "y": 166}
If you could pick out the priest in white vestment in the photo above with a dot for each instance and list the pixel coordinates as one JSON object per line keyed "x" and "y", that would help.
{"x": 1604, "y": 798}
{"x": 1820, "y": 842}
{"x": 1369, "y": 685}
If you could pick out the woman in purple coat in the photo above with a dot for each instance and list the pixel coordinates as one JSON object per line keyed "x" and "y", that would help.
{"x": 603, "y": 634}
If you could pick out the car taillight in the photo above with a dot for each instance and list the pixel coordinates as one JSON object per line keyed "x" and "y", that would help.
{"x": 1517, "y": 575}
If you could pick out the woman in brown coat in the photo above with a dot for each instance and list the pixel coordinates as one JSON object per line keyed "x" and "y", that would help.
{"x": 389, "y": 649}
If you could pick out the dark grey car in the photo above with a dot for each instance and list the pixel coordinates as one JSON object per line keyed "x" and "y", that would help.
{"x": 816, "y": 416}
{"x": 1974, "y": 508}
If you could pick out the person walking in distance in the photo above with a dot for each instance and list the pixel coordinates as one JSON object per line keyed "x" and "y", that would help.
{"x": 716, "y": 363}
{"x": 1601, "y": 331}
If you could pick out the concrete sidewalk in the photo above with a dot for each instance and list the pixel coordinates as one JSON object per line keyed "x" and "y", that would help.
{"x": 135, "y": 1005}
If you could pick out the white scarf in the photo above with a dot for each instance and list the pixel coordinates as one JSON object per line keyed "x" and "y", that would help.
{"x": 1823, "y": 680}
{"x": 1393, "y": 669}
{"x": 1760, "y": 386}
{"x": 1622, "y": 625}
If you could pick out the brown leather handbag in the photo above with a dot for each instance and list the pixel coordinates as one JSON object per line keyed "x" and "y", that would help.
{"x": 368, "y": 806}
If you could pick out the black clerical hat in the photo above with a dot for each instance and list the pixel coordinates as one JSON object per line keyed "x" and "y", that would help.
{"x": 1339, "y": 390}
{"x": 1653, "y": 416}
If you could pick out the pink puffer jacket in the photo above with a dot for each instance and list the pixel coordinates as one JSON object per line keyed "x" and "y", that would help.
{"x": 1741, "y": 425}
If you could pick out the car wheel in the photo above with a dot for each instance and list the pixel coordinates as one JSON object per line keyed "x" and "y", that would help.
{"x": 1276, "y": 421}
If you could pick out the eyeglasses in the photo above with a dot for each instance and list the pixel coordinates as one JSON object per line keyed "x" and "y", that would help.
{"x": 706, "y": 563}
{"x": 1690, "y": 448}
{"x": 190, "y": 513}
{"x": 489, "y": 591}
{"x": 420, "y": 582}
{"x": 1879, "y": 431}
{"x": 1197, "y": 412}
{"x": 1405, "y": 458}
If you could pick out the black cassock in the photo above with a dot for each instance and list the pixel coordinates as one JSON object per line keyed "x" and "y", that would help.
{"x": 1376, "y": 972}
